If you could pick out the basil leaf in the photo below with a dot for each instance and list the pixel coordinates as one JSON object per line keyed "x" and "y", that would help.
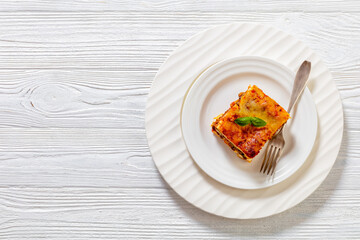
{"x": 243, "y": 121}
{"x": 257, "y": 122}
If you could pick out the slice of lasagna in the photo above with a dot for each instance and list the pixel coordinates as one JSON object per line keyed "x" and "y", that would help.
{"x": 247, "y": 140}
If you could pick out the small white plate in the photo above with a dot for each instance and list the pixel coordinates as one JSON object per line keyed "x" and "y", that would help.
{"x": 212, "y": 93}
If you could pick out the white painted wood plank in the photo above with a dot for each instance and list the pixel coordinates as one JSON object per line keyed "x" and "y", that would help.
{"x": 142, "y": 41}
{"x": 76, "y": 157}
{"x": 118, "y": 213}
{"x": 85, "y": 98}
{"x": 183, "y": 5}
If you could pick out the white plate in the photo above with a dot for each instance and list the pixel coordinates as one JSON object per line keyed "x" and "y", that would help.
{"x": 212, "y": 93}
{"x": 164, "y": 134}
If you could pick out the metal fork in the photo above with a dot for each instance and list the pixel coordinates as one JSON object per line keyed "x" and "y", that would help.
{"x": 277, "y": 143}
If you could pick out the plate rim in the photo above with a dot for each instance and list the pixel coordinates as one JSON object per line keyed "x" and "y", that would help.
{"x": 149, "y": 115}
{"x": 223, "y": 63}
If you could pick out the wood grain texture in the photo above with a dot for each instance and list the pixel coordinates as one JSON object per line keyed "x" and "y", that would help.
{"x": 118, "y": 213}
{"x": 74, "y": 78}
{"x": 73, "y": 98}
{"x": 138, "y": 42}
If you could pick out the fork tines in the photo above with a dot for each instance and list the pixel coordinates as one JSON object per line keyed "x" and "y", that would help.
{"x": 269, "y": 163}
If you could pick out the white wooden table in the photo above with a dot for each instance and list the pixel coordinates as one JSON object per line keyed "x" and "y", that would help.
{"x": 74, "y": 79}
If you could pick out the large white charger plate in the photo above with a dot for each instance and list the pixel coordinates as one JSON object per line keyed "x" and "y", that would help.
{"x": 164, "y": 133}
{"x": 212, "y": 93}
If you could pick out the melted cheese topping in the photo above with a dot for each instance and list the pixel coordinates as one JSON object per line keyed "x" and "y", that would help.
{"x": 253, "y": 103}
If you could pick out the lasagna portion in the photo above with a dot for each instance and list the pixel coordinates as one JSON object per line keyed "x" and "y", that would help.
{"x": 247, "y": 140}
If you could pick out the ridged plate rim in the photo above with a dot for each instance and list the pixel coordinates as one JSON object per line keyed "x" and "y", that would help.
{"x": 162, "y": 120}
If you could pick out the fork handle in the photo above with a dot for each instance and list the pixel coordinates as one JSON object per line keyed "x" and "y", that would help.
{"x": 301, "y": 78}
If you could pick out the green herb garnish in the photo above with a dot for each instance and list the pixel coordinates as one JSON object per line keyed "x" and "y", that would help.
{"x": 243, "y": 121}
{"x": 256, "y": 122}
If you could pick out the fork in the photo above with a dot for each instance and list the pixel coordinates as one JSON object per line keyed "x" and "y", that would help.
{"x": 277, "y": 143}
